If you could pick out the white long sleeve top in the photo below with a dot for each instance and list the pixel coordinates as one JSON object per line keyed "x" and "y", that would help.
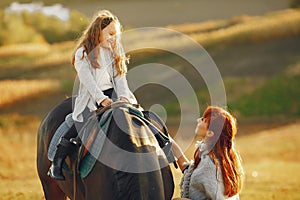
{"x": 93, "y": 81}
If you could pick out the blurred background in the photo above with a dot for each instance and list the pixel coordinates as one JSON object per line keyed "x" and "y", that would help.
{"x": 255, "y": 45}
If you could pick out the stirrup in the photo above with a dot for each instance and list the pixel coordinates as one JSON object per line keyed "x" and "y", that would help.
{"x": 75, "y": 141}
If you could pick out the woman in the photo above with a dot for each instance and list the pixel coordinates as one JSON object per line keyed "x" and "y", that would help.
{"x": 100, "y": 64}
{"x": 216, "y": 172}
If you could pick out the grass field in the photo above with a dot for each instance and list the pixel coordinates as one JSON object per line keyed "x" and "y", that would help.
{"x": 271, "y": 163}
{"x": 259, "y": 67}
{"x": 270, "y": 159}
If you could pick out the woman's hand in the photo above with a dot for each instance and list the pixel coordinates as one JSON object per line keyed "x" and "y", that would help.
{"x": 106, "y": 102}
{"x": 182, "y": 160}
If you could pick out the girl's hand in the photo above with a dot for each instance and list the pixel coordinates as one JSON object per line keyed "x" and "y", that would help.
{"x": 106, "y": 102}
{"x": 123, "y": 99}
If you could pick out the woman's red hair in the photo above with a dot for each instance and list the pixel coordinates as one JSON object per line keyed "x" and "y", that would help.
{"x": 223, "y": 153}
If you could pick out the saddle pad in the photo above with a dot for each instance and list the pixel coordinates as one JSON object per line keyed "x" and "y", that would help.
{"x": 90, "y": 159}
{"x": 88, "y": 162}
{"x": 61, "y": 130}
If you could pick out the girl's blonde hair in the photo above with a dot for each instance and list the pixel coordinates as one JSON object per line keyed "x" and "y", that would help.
{"x": 90, "y": 40}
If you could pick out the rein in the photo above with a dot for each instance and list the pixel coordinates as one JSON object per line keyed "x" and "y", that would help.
{"x": 115, "y": 104}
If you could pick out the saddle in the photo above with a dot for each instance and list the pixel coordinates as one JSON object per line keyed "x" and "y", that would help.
{"x": 87, "y": 154}
{"x": 151, "y": 119}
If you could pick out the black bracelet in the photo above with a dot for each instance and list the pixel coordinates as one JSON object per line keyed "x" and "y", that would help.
{"x": 186, "y": 167}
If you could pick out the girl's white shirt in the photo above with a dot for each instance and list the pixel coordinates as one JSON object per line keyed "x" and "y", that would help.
{"x": 92, "y": 81}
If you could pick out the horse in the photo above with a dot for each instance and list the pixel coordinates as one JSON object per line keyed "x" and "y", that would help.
{"x": 106, "y": 181}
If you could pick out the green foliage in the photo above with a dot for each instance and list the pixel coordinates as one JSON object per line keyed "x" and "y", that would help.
{"x": 13, "y": 30}
{"x": 36, "y": 27}
{"x": 279, "y": 96}
{"x": 294, "y": 3}
{"x": 5, "y": 3}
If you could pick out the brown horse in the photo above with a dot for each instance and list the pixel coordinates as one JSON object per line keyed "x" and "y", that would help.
{"x": 114, "y": 180}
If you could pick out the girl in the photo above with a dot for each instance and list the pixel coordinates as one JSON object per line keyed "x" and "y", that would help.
{"x": 216, "y": 172}
{"x": 100, "y": 64}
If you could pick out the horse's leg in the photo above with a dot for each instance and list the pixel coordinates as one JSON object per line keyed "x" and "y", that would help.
{"x": 52, "y": 191}
{"x": 168, "y": 182}
{"x": 50, "y": 186}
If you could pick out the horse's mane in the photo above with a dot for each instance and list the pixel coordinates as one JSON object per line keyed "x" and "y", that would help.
{"x": 130, "y": 137}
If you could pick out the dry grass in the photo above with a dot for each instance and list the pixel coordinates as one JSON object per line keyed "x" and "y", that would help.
{"x": 270, "y": 159}
{"x": 24, "y": 57}
{"x": 24, "y": 49}
{"x": 240, "y": 29}
{"x": 271, "y": 162}
{"x": 294, "y": 70}
{"x": 18, "y": 172}
{"x": 33, "y": 56}
{"x": 207, "y": 26}
{"x": 13, "y": 91}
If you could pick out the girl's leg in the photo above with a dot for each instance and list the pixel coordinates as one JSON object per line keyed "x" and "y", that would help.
{"x": 64, "y": 148}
